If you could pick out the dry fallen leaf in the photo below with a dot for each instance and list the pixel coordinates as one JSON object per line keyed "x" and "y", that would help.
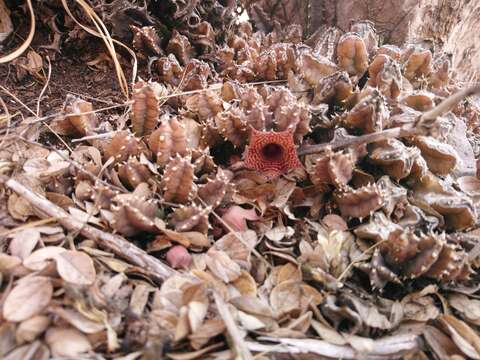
{"x": 28, "y": 330}
{"x": 29, "y": 297}
{"x": 79, "y": 321}
{"x": 222, "y": 266}
{"x": 467, "y": 340}
{"x": 76, "y": 267}
{"x": 24, "y": 242}
{"x": 40, "y": 258}
{"x": 67, "y": 342}
{"x": 468, "y": 308}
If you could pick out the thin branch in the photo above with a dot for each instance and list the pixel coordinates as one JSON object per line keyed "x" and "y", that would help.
{"x": 448, "y": 103}
{"x": 115, "y": 243}
{"x": 240, "y": 348}
{"x": 346, "y": 141}
{"x": 343, "y": 141}
{"x": 45, "y": 86}
{"x": 95, "y": 137}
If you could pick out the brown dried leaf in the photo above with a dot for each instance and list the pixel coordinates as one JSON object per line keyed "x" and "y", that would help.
{"x": 67, "y": 342}
{"x": 245, "y": 284}
{"x": 28, "y": 298}
{"x": 468, "y": 308}
{"x": 467, "y": 340}
{"x": 30, "y": 329}
{"x": 40, "y": 258}
{"x": 24, "y": 242}
{"x": 77, "y": 124}
{"x": 78, "y": 320}
{"x": 222, "y": 265}
{"x": 76, "y": 267}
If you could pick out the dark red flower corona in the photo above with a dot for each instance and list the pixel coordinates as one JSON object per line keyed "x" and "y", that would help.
{"x": 272, "y": 153}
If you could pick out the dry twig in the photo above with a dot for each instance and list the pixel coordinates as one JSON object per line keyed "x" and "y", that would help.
{"x": 240, "y": 348}
{"x": 117, "y": 244}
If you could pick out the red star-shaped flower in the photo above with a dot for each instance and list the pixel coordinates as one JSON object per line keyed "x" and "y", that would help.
{"x": 272, "y": 153}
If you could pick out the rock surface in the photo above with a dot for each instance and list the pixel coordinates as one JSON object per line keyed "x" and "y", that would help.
{"x": 448, "y": 24}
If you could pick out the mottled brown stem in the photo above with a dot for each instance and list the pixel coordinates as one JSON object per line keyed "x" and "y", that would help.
{"x": 429, "y": 116}
{"x": 117, "y": 244}
{"x": 343, "y": 142}
{"x": 239, "y": 347}
{"x": 448, "y": 103}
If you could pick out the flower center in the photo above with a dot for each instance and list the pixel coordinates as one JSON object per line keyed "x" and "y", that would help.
{"x": 272, "y": 152}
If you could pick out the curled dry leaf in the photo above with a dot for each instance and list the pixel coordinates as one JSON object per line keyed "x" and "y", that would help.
{"x": 222, "y": 265}
{"x": 78, "y": 320}
{"x": 40, "y": 258}
{"x": 467, "y": 307}
{"x": 467, "y": 340}
{"x": 81, "y": 120}
{"x": 292, "y": 296}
